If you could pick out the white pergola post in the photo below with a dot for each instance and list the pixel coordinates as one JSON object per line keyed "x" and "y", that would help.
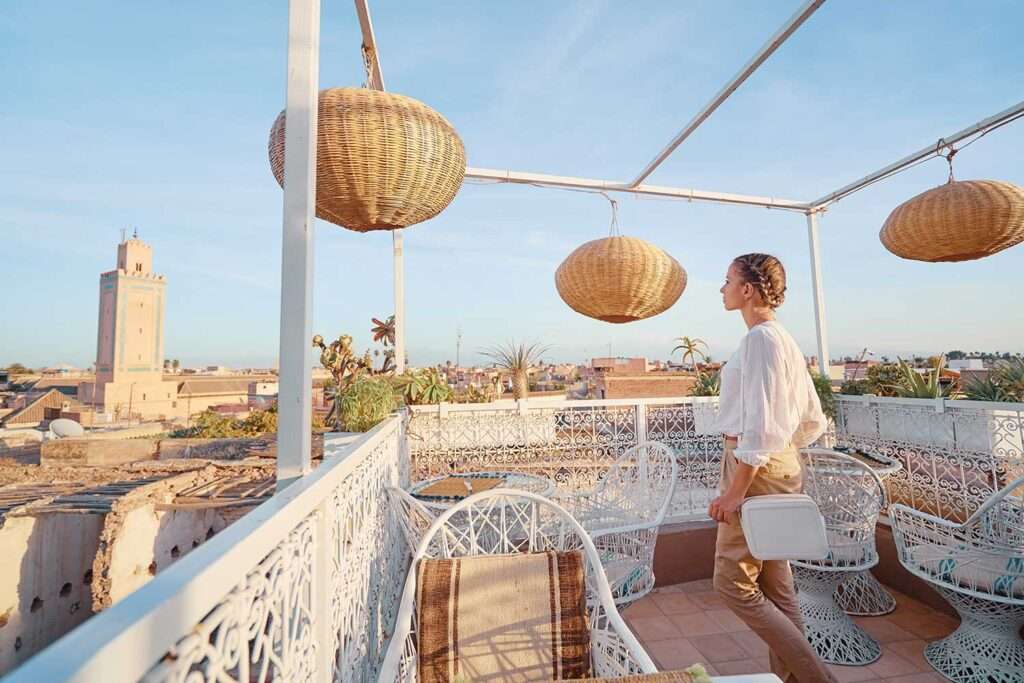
{"x": 819, "y": 292}
{"x": 295, "y": 398}
{"x": 399, "y": 269}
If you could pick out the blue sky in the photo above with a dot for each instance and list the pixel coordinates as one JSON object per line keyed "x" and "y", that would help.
{"x": 156, "y": 115}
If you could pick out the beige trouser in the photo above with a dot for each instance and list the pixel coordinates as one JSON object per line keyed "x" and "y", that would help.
{"x": 761, "y": 592}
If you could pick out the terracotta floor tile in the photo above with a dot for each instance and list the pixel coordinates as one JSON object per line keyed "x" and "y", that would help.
{"x": 883, "y": 630}
{"x": 644, "y": 607}
{"x": 678, "y": 653}
{"x": 674, "y": 588}
{"x": 696, "y": 624}
{"x": 728, "y": 620}
{"x": 852, "y": 674}
{"x": 707, "y": 600}
{"x": 752, "y": 643}
{"x": 743, "y": 666}
{"x": 905, "y": 603}
{"x": 891, "y": 664}
{"x": 650, "y": 629}
{"x": 674, "y": 603}
{"x": 910, "y": 650}
{"x": 719, "y": 648}
{"x": 698, "y": 586}
{"x": 926, "y": 625}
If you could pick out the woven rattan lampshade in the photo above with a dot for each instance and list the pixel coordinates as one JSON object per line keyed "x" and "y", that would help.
{"x": 383, "y": 161}
{"x": 959, "y": 221}
{"x": 620, "y": 279}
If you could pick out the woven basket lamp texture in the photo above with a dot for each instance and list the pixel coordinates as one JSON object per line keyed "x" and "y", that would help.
{"x": 620, "y": 279}
{"x": 959, "y": 221}
{"x": 383, "y": 161}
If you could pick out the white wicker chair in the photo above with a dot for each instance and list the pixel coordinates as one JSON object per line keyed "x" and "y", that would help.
{"x": 413, "y": 517}
{"x": 850, "y": 496}
{"x": 978, "y": 567}
{"x": 507, "y": 521}
{"x": 623, "y": 512}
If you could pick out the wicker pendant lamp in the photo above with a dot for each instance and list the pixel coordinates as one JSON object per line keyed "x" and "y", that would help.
{"x": 383, "y": 161}
{"x": 619, "y": 279}
{"x": 959, "y": 221}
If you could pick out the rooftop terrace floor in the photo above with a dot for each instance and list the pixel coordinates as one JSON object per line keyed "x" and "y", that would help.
{"x": 687, "y": 622}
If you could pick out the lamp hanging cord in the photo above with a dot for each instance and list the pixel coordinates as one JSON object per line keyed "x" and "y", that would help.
{"x": 948, "y": 156}
{"x": 613, "y": 229}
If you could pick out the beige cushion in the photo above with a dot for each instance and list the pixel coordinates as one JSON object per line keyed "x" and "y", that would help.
{"x": 984, "y": 572}
{"x": 503, "y": 618}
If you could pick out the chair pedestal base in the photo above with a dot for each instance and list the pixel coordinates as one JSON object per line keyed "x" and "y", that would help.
{"x": 986, "y": 648}
{"x": 831, "y": 632}
{"x": 861, "y": 594}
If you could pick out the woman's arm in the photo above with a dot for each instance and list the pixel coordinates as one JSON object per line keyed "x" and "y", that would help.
{"x": 728, "y": 504}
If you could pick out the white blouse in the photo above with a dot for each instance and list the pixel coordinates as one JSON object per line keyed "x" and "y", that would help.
{"x": 767, "y": 397}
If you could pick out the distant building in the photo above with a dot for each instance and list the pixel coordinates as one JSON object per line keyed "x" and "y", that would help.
{"x": 966, "y": 364}
{"x": 130, "y": 340}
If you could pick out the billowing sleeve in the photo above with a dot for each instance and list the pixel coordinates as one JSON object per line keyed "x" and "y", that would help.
{"x": 767, "y": 403}
{"x": 813, "y": 422}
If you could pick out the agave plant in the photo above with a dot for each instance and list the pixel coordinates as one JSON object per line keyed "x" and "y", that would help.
{"x": 913, "y": 384}
{"x": 423, "y": 387}
{"x": 1010, "y": 375}
{"x": 517, "y": 359}
{"x": 987, "y": 389}
{"x": 708, "y": 384}
{"x": 691, "y": 349}
{"x": 384, "y": 330}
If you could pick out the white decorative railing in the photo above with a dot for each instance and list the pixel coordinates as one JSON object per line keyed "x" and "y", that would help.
{"x": 572, "y": 442}
{"x": 954, "y": 454}
{"x": 306, "y": 586}
{"x": 303, "y": 588}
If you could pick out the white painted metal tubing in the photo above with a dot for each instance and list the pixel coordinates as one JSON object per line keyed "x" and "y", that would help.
{"x": 777, "y": 39}
{"x": 399, "y": 272}
{"x": 924, "y": 153}
{"x": 375, "y": 79}
{"x": 295, "y": 400}
{"x": 819, "y": 293}
{"x": 616, "y": 186}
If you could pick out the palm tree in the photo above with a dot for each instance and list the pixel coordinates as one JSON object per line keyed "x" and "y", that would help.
{"x": 517, "y": 359}
{"x": 384, "y": 330}
{"x": 691, "y": 349}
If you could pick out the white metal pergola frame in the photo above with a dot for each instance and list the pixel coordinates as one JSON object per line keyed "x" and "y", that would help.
{"x": 295, "y": 364}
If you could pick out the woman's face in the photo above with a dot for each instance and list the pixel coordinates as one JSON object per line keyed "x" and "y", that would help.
{"x": 734, "y": 291}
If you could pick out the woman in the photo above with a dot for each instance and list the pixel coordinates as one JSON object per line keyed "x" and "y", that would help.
{"x": 768, "y": 409}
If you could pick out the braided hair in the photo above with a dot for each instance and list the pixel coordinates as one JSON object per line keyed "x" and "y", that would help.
{"x": 766, "y": 274}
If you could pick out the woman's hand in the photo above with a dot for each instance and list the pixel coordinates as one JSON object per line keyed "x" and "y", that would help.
{"x": 723, "y": 507}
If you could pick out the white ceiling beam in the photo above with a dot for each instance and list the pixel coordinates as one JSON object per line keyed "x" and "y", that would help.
{"x": 780, "y": 36}
{"x": 923, "y": 153}
{"x": 542, "y": 180}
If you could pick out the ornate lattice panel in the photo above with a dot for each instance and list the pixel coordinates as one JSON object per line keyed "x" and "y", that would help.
{"x": 262, "y": 630}
{"x": 573, "y": 445}
{"x": 954, "y": 454}
{"x": 325, "y": 598}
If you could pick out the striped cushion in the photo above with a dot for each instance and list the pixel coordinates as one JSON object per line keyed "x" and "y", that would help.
{"x": 502, "y": 617}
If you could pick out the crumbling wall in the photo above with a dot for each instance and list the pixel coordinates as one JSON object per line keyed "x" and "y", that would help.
{"x": 139, "y": 539}
{"x": 45, "y": 580}
{"x": 96, "y": 452}
{"x": 147, "y": 542}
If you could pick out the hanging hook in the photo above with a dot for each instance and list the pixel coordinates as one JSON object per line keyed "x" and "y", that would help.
{"x": 939, "y": 146}
{"x": 613, "y": 229}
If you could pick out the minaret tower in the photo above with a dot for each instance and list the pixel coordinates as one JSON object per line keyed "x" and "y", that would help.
{"x": 130, "y": 337}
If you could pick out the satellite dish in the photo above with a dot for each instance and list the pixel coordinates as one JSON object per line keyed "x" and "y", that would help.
{"x": 63, "y": 428}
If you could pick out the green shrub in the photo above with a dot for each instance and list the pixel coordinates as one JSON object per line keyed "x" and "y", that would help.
{"x": 366, "y": 402}
{"x": 823, "y": 386}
